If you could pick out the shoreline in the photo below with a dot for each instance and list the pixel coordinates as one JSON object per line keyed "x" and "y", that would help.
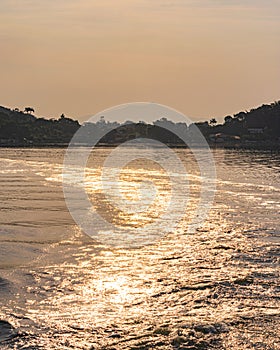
{"x": 238, "y": 147}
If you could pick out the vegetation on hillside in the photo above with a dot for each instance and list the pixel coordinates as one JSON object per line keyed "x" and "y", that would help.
{"x": 19, "y": 128}
{"x": 259, "y": 126}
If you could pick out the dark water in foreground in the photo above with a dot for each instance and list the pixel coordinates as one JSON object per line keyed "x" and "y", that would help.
{"x": 217, "y": 288}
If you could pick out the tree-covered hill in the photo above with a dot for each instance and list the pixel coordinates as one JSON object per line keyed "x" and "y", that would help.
{"x": 264, "y": 119}
{"x": 259, "y": 127}
{"x": 22, "y": 129}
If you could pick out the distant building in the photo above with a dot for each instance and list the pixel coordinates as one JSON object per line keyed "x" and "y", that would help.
{"x": 255, "y": 126}
{"x": 255, "y": 130}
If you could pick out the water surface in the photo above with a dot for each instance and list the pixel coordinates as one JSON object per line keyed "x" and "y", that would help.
{"x": 215, "y": 288}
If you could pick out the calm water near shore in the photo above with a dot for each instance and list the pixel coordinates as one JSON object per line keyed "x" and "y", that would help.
{"x": 216, "y": 288}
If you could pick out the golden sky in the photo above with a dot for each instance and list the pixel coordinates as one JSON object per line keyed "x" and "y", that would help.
{"x": 205, "y": 58}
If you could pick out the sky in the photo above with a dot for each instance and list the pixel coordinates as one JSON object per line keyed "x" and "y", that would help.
{"x": 204, "y": 58}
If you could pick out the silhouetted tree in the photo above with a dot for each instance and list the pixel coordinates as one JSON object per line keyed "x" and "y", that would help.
{"x": 240, "y": 116}
{"x": 29, "y": 110}
{"x": 213, "y": 121}
{"x": 228, "y": 119}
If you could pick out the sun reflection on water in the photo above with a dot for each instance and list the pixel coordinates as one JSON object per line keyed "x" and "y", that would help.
{"x": 138, "y": 197}
{"x": 224, "y": 277}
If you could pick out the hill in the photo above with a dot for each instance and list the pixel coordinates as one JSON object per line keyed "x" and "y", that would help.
{"x": 258, "y": 128}
{"x": 23, "y": 129}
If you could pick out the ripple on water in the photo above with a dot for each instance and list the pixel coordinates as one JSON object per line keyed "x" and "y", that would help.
{"x": 215, "y": 289}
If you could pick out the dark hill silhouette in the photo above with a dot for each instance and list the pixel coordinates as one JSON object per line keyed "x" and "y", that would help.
{"x": 266, "y": 118}
{"x": 24, "y": 129}
{"x": 257, "y": 128}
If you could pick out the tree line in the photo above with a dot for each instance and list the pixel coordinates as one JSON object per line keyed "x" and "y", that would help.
{"x": 22, "y": 128}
